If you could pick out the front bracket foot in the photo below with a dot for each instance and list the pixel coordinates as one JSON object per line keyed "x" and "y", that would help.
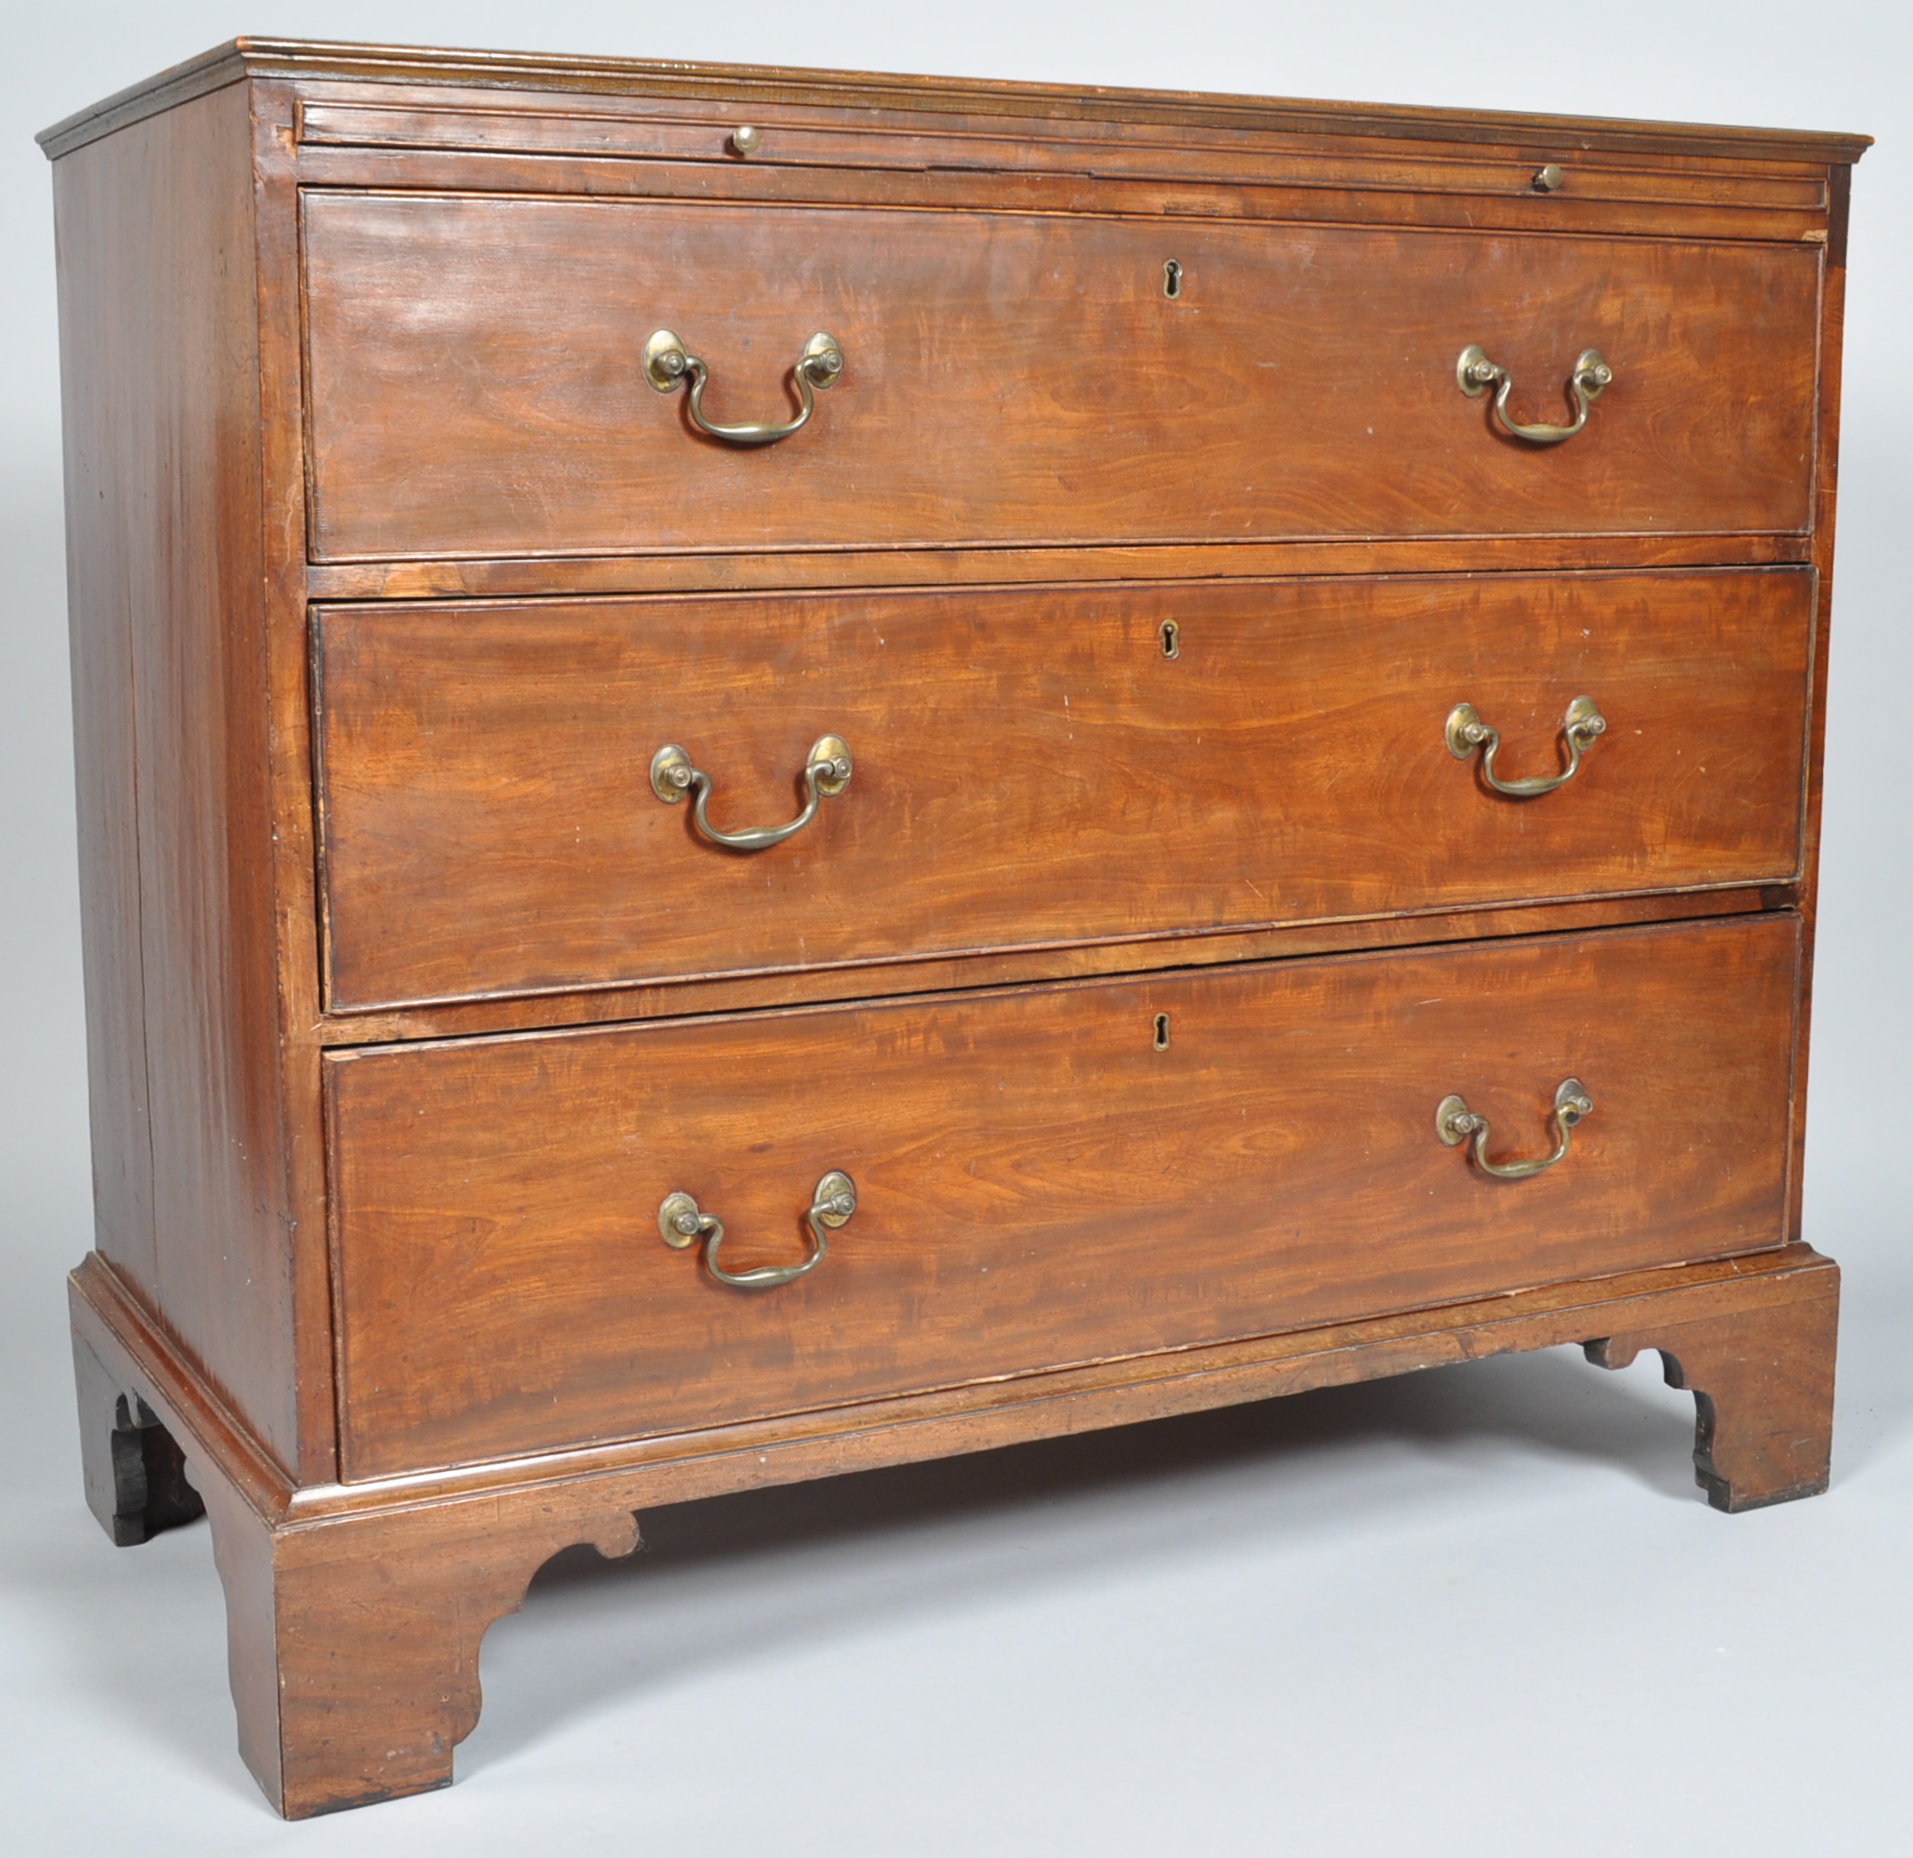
{"x": 1762, "y": 1381}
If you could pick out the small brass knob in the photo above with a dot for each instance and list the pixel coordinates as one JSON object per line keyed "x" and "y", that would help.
{"x": 744, "y": 139}
{"x": 1547, "y": 179}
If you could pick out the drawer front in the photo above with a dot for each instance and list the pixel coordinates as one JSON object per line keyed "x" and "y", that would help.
{"x": 1041, "y": 1179}
{"x": 477, "y": 384}
{"x": 1029, "y": 766}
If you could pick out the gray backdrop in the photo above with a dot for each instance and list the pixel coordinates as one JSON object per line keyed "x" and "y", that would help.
{"x": 1483, "y": 1610}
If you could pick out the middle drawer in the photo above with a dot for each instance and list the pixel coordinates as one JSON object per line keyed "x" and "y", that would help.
{"x": 1029, "y": 767}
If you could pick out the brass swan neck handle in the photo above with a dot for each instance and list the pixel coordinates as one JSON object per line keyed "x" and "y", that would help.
{"x": 1476, "y": 374}
{"x": 682, "y": 1224}
{"x": 826, "y": 774}
{"x": 1466, "y": 732}
{"x": 1455, "y": 1122}
{"x": 668, "y": 364}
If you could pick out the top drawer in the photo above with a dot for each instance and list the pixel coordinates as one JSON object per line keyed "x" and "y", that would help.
{"x": 477, "y": 383}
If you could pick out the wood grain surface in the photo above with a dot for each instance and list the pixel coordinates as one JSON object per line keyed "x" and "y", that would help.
{"x": 166, "y": 547}
{"x": 1023, "y": 378}
{"x": 1031, "y": 767}
{"x": 1039, "y": 1183}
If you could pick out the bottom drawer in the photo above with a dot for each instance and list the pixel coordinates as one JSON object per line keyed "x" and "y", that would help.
{"x": 1043, "y": 1176}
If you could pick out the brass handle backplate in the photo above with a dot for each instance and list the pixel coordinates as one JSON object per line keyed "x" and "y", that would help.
{"x": 1466, "y": 732}
{"x": 682, "y": 1224}
{"x": 668, "y": 364}
{"x": 1477, "y": 374}
{"x": 1455, "y": 1122}
{"x": 826, "y": 774}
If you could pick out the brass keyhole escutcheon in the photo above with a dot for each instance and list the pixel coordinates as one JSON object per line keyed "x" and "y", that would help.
{"x": 1171, "y": 639}
{"x": 1161, "y": 1039}
{"x": 1171, "y": 278}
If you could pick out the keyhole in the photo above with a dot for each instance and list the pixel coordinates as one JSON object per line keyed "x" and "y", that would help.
{"x": 1171, "y": 279}
{"x": 1162, "y": 1032}
{"x": 1171, "y": 639}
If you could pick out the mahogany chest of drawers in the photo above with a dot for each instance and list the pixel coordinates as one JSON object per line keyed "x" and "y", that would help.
{"x": 781, "y": 772}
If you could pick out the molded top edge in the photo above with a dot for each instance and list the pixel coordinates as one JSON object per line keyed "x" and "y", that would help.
{"x": 247, "y": 57}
